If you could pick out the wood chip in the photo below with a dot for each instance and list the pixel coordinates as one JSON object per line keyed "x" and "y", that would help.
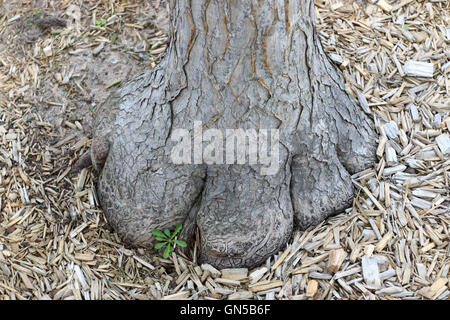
{"x": 235, "y": 274}
{"x": 241, "y": 295}
{"x": 144, "y": 263}
{"x": 371, "y": 273}
{"x": 430, "y": 292}
{"x": 443, "y": 142}
{"x": 227, "y": 282}
{"x": 311, "y": 289}
{"x": 383, "y": 242}
{"x": 213, "y": 271}
{"x": 257, "y": 274}
{"x": 335, "y": 260}
{"x": 314, "y": 260}
{"x": 281, "y": 258}
{"x": 265, "y": 286}
{"x": 177, "y": 296}
{"x": 384, "y": 5}
{"x": 418, "y": 69}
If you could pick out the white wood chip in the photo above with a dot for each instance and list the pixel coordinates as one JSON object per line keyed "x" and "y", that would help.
{"x": 418, "y": 69}
{"x": 213, "y": 271}
{"x": 443, "y": 142}
{"x": 257, "y": 274}
{"x": 391, "y": 129}
{"x": 144, "y": 263}
{"x": 370, "y": 272}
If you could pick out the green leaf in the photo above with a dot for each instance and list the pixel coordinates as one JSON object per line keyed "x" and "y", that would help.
{"x": 160, "y": 245}
{"x": 167, "y": 232}
{"x": 161, "y": 239}
{"x": 177, "y": 229}
{"x": 101, "y": 22}
{"x": 167, "y": 251}
{"x": 158, "y": 233}
{"x": 181, "y": 243}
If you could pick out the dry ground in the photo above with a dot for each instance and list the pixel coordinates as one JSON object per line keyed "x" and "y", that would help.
{"x": 60, "y": 59}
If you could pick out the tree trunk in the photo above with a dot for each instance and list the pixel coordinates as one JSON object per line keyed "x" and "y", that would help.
{"x": 254, "y": 65}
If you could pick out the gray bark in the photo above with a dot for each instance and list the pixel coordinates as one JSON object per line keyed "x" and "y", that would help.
{"x": 232, "y": 64}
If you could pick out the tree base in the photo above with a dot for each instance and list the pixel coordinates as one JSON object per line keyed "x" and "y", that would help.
{"x": 243, "y": 216}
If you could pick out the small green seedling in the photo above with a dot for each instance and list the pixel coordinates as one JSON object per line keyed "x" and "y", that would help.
{"x": 100, "y": 22}
{"x": 168, "y": 240}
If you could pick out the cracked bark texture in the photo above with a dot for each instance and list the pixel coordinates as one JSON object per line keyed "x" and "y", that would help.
{"x": 232, "y": 64}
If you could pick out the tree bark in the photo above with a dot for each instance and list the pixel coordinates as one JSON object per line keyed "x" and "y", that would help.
{"x": 232, "y": 64}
